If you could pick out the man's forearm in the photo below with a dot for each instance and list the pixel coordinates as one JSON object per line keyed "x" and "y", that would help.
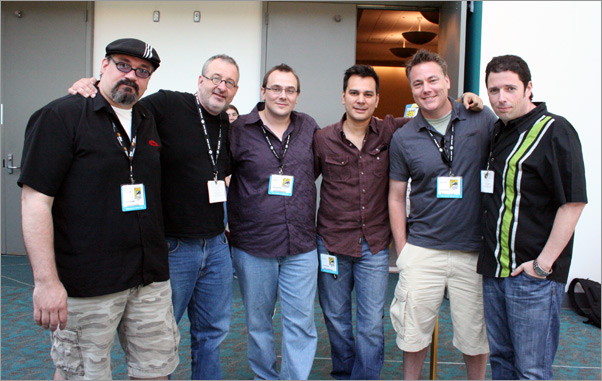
{"x": 562, "y": 231}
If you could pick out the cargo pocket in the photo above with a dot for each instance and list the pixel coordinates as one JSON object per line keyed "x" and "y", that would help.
{"x": 66, "y": 352}
{"x": 398, "y": 310}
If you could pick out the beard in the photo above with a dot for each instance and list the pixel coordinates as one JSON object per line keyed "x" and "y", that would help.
{"x": 125, "y": 95}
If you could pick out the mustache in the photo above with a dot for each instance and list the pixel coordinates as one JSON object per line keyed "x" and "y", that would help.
{"x": 127, "y": 82}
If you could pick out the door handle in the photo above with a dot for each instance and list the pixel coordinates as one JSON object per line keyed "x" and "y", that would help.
{"x": 9, "y": 164}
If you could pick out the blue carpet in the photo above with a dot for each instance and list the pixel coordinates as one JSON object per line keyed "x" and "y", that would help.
{"x": 26, "y": 347}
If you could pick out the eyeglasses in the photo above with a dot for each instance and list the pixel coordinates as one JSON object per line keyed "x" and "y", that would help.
{"x": 216, "y": 79}
{"x": 276, "y": 90}
{"x": 126, "y": 68}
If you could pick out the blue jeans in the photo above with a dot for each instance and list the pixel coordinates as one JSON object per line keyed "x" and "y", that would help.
{"x": 201, "y": 280}
{"x": 261, "y": 281}
{"x": 359, "y": 358}
{"x": 522, "y": 314}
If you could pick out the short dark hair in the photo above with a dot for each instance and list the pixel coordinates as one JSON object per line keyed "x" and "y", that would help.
{"x": 364, "y": 71}
{"x": 423, "y": 56}
{"x": 511, "y": 63}
{"x": 284, "y": 68}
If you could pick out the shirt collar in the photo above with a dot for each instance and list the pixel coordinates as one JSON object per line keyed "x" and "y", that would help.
{"x": 372, "y": 127}
{"x": 526, "y": 121}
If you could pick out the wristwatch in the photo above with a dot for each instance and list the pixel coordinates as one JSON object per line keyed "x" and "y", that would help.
{"x": 539, "y": 271}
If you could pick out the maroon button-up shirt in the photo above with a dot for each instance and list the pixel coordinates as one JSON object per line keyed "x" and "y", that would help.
{"x": 355, "y": 187}
{"x": 266, "y": 225}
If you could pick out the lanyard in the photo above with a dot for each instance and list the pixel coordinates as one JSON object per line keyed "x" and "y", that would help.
{"x": 129, "y": 153}
{"x": 447, "y": 158}
{"x": 219, "y": 139}
{"x": 280, "y": 160}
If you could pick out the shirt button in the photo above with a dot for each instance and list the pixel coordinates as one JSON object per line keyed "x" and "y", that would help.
{"x": 361, "y": 173}
{"x": 363, "y": 224}
{"x": 377, "y": 158}
{"x": 363, "y": 207}
{"x": 360, "y": 156}
{"x": 363, "y": 190}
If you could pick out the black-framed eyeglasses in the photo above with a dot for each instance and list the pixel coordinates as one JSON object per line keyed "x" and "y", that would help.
{"x": 126, "y": 68}
{"x": 276, "y": 90}
{"x": 216, "y": 80}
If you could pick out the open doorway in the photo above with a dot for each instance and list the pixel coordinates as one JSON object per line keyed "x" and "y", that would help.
{"x": 380, "y": 43}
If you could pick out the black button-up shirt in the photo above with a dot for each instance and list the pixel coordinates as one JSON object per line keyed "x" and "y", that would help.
{"x": 71, "y": 153}
{"x": 266, "y": 225}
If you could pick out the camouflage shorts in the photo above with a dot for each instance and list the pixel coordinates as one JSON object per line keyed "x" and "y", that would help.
{"x": 147, "y": 331}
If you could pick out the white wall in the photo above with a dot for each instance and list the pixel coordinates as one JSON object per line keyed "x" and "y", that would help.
{"x": 230, "y": 27}
{"x": 560, "y": 40}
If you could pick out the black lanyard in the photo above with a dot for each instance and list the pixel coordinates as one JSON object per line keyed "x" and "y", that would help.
{"x": 280, "y": 159}
{"x": 447, "y": 158}
{"x": 129, "y": 153}
{"x": 219, "y": 139}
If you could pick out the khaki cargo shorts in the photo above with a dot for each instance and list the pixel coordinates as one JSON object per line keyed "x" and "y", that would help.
{"x": 424, "y": 274}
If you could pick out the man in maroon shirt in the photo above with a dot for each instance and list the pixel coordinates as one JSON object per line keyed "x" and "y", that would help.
{"x": 353, "y": 225}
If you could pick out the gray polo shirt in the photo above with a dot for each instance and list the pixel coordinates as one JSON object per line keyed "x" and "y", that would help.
{"x": 443, "y": 223}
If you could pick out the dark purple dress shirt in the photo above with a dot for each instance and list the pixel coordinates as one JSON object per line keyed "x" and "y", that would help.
{"x": 355, "y": 187}
{"x": 266, "y": 225}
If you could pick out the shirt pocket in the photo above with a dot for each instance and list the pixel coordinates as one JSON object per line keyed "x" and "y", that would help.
{"x": 378, "y": 163}
{"x": 337, "y": 168}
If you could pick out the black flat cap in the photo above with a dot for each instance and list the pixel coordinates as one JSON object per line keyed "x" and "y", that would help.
{"x": 135, "y": 48}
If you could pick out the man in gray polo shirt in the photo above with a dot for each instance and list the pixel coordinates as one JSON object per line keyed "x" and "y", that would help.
{"x": 442, "y": 151}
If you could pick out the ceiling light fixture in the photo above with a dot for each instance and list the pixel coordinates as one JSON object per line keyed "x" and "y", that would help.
{"x": 419, "y": 37}
{"x": 403, "y": 52}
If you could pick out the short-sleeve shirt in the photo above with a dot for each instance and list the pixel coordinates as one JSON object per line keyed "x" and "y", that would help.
{"x": 186, "y": 166}
{"x": 538, "y": 167}
{"x": 443, "y": 223}
{"x": 72, "y": 154}
{"x": 355, "y": 185}
{"x": 267, "y": 225}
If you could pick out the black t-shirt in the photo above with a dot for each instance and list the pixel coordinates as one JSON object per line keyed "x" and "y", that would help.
{"x": 186, "y": 166}
{"x": 71, "y": 153}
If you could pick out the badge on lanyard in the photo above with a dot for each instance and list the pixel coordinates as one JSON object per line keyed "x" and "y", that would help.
{"x": 281, "y": 185}
{"x": 133, "y": 197}
{"x": 449, "y": 187}
{"x": 487, "y": 181}
{"x": 217, "y": 191}
{"x": 329, "y": 264}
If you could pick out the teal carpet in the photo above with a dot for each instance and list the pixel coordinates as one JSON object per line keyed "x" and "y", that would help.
{"x": 26, "y": 347}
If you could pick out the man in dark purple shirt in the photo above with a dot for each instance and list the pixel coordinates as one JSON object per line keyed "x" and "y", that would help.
{"x": 271, "y": 209}
{"x": 353, "y": 225}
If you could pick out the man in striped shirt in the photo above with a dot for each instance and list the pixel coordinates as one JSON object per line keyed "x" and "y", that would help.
{"x": 533, "y": 194}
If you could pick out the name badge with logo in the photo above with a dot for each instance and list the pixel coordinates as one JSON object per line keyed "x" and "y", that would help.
{"x": 329, "y": 264}
{"x": 449, "y": 187}
{"x": 133, "y": 197}
{"x": 281, "y": 185}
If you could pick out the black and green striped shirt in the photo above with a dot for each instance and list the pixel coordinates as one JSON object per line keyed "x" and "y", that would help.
{"x": 538, "y": 166}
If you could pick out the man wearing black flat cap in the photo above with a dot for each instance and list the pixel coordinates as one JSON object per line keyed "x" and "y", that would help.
{"x": 194, "y": 161}
{"x": 93, "y": 227}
